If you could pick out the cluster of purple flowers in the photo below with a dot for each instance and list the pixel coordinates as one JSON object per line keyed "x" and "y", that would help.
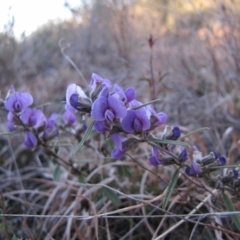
{"x": 36, "y": 126}
{"x": 117, "y": 114}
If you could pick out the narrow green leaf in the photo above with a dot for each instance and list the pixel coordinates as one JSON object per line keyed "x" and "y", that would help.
{"x": 193, "y": 132}
{"x": 88, "y": 131}
{"x": 170, "y": 188}
{"x": 112, "y": 196}
{"x": 82, "y": 179}
{"x": 145, "y": 104}
{"x": 167, "y": 141}
{"x": 230, "y": 207}
{"x": 16, "y": 238}
{"x": 57, "y": 173}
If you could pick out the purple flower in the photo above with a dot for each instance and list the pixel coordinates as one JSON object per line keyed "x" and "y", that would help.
{"x": 30, "y": 139}
{"x": 12, "y": 120}
{"x": 195, "y": 169}
{"x": 156, "y": 118}
{"x": 97, "y": 80}
{"x": 75, "y": 98}
{"x": 154, "y": 159}
{"x": 107, "y": 108}
{"x": 69, "y": 118}
{"x": 18, "y": 101}
{"x": 172, "y": 133}
{"x": 127, "y": 96}
{"x": 136, "y": 121}
{"x": 183, "y": 155}
{"x": 119, "y": 151}
{"x": 176, "y": 132}
{"x": 33, "y": 117}
{"x": 101, "y": 126}
{"x": 222, "y": 160}
{"x": 51, "y": 129}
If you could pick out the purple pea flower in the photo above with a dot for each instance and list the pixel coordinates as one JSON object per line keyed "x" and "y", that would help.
{"x": 183, "y": 155}
{"x": 30, "y": 139}
{"x": 156, "y": 118}
{"x": 97, "y": 80}
{"x": 18, "y": 101}
{"x": 107, "y": 107}
{"x": 97, "y": 84}
{"x": 119, "y": 151}
{"x": 12, "y": 120}
{"x": 51, "y": 129}
{"x": 154, "y": 159}
{"x": 172, "y": 133}
{"x": 69, "y": 118}
{"x": 136, "y": 121}
{"x": 33, "y": 117}
{"x": 102, "y": 126}
{"x": 73, "y": 94}
{"x": 127, "y": 96}
{"x": 193, "y": 170}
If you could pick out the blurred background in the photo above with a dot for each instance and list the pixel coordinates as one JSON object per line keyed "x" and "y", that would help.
{"x": 194, "y": 61}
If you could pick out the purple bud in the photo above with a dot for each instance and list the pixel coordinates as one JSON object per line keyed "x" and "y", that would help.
{"x": 51, "y": 129}
{"x": 235, "y": 173}
{"x": 30, "y": 139}
{"x": 12, "y": 120}
{"x": 119, "y": 151}
{"x": 183, "y": 155}
{"x": 222, "y": 160}
{"x": 154, "y": 159}
{"x": 69, "y": 118}
{"x": 96, "y": 79}
{"x": 176, "y": 132}
{"x": 195, "y": 169}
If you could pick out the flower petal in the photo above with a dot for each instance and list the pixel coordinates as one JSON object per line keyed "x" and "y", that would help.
{"x": 101, "y": 126}
{"x": 99, "y": 108}
{"x": 153, "y": 160}
{"x": 97, "y": 79}
{"x": 18, "y": 102}
{"x": 128, "y": 120}
{"x": 30, "y": 139}
{"x": 117, "y": 107}
{"x": 130, "y": 94}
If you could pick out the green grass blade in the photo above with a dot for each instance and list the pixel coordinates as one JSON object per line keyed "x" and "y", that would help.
{"x": 230, "y": 207}
{"x": 167, "y": 141}
{"x": 87, "y": 133}
{"x": 57, "y": 173}
{"x": 170, "y": 188}
{"x": 112, "y": 196}
{"x": 145, "y": 104}
{"x": 193, "y": 132}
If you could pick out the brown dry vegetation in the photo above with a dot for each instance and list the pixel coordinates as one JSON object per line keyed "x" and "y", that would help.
{"x": 196, "y": 72}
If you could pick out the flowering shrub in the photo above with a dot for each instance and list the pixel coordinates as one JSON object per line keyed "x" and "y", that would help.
{"x": 117, "y": 115}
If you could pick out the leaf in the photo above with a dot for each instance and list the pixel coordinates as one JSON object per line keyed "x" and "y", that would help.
{"x": 167, "y": 141}
{"x": 193, "y": 132}
{"x": 145, "y": 104}
{"x": 87, "y": 133}
{"x": 112, "y": 196}
{"x": 16, "y": 238}
{"x": 230, "y": 207}
{"x": 57, "y": 173}
{"x": 82, "y": 179}
{"x": 170, "y": 188}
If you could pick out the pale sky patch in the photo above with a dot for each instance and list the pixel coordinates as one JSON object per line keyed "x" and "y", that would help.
{"x": 29, "y": 14}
